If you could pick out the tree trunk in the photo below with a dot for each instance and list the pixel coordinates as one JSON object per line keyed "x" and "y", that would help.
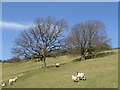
{"x": 44, "y": 62}
{"x": 82, "y": 54}
{"x": 82, "y": 57}
{"x": 90, "y": 49}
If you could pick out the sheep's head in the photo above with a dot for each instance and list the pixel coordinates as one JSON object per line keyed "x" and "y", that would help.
{"x": 15, "y": 78}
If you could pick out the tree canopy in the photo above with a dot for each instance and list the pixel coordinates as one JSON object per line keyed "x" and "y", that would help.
{"x": 86, "y": 36}
{"x": 47, "y": 37}
{"x": 44, "y": 36}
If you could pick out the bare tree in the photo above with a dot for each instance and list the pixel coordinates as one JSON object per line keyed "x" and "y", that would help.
{"x": 87, "y": 35}
{"x": 96, "y": 34}
{"x": 44, "y": 36}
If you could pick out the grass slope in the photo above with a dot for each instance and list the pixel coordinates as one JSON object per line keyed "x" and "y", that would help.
{"x": 100, "y": 73}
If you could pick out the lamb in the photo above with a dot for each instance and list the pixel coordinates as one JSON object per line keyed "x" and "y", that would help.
{"x": 75, "y": 78}
{"x": 57, "y": 64}
{"x": 3, "y": 84}
{"x": 12, "y": 80}
{"x": 81, "y": 76}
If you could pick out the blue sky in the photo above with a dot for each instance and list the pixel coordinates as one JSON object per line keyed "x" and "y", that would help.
{"x": 18, "y": 16}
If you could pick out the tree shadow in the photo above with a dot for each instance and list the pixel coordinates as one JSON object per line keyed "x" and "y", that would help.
{"x": 95, "y": 55}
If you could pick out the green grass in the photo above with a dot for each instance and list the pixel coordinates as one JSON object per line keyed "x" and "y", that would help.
{"x": 100, "y": 73}
{"x": 14, "y": 69}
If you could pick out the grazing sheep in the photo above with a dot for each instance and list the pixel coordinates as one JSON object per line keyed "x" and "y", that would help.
{"x": 81, "y": 76}
{"x": 12, "y": 80}
{"x": 3, "y": 84}
{"x": 75, "y": 78}
{"x": 57, "y": 64}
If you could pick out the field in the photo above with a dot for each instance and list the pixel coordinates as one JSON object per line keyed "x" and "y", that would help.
{"x": 100, "y": 73}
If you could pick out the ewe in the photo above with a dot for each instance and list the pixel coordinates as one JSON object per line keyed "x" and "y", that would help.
{"x": 57, "y": 64}
{"x": 12, "y": 80}
{"x": 81, "y": 76}
{"x": 75, "y": 78}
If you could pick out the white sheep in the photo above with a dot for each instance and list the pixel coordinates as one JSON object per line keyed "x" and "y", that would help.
{"x": 75, "y": 78}
{"x": 12, "y": 80}
{"x": 3, "y": 84}
{"x": 81, "y": 76}
{"x": 57, "y": 64}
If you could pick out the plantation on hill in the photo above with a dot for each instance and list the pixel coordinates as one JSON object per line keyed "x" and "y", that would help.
{"x": 100, "y": 73}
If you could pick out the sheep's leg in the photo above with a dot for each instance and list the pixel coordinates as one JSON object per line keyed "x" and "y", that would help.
{"x": 80, "y": 78}
{"x": 84, "y": 78}
{"x": 9, "y": 83}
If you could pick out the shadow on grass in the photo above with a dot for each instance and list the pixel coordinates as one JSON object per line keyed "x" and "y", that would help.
{"x": 95, "y": 55}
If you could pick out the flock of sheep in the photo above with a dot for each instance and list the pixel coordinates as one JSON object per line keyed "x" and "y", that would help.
{"x": 10, "y": 81}
{"x": 78, "y": 76}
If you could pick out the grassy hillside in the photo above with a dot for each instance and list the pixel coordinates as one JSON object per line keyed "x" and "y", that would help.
{"x": 100, "y": 73}
{"x": 14, "y": 69}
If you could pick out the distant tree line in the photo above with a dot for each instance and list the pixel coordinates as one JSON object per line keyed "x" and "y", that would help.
{"x": 12, "y": 60}
{"x": 47, "y": 38}
{"x": 0, "y": 60}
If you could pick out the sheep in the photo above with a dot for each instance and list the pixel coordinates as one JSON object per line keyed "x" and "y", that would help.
{"x": 75, "y": 78}
{"x": 81, "y": 76}
{"x": 12, "y": 80}
{"x": 57, "y": 64}
{"x": 4, "y": 84}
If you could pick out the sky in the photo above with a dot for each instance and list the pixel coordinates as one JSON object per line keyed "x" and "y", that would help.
{"x": 18, "y": 16}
